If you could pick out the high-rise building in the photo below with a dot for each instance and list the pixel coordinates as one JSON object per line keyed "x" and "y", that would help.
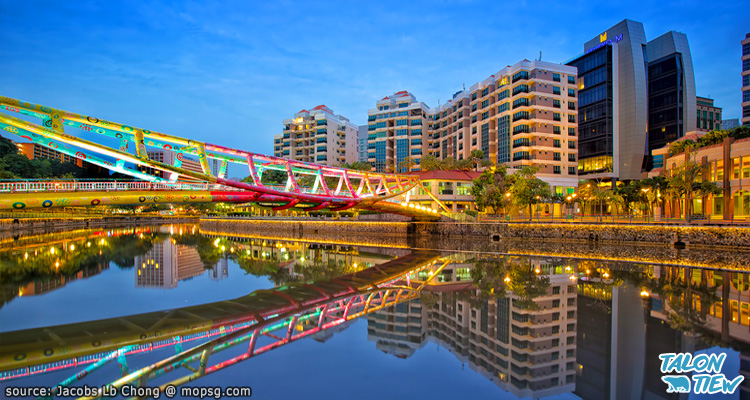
{"x": 362, "y": 143}
{"x": 526, "y": 114}
{"x": 708, "y": 115}
{"x": 634, "y": 96}
{"x": 671, "y": 90}
{"x": 318, "y": 136}
{"x": 746, "y": 80}
{"x": 396, "y": 131}
{"x": 449, "y": 127}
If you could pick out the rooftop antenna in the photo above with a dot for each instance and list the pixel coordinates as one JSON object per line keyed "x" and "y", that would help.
{"x": 540, "y": 55}
{"x": 464, "y": 86}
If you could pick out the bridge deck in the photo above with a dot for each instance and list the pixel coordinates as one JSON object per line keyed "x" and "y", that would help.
{"x": 45, "y": 345}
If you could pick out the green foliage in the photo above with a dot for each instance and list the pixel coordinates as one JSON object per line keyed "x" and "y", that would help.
{"x": 471, "y": 212}
{"x": 710, "y": 139}
{"x": 489, "y": 190}
{"x": 406, "y": 164}
{"x": 528, "y": 190}
{"x": 358, "y": 165}
{"x": 14, "y": 165}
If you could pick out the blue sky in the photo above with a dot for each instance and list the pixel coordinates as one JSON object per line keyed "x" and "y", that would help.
{"x": 230, "y": 72}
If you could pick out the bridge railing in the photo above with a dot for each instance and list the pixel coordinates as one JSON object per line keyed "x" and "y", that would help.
{"x": 88, "y": 186}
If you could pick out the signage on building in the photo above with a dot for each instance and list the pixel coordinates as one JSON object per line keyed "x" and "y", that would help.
{"x": 604, "y": 41}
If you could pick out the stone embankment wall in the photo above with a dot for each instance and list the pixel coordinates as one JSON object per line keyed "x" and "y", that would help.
{"x": 666, "y": 234}
{"x": 651, "y": 234}
{"x": 62, "y": 224}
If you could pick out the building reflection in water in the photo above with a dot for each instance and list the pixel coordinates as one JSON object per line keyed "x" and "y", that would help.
{"x": 38, "y": 287}
{"x": 596, "y": 330}
{"x": 528, "y": 351}
{"x": 168, "y": 263}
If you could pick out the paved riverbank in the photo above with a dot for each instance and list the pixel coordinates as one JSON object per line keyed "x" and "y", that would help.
{"x": 605, "y": 233}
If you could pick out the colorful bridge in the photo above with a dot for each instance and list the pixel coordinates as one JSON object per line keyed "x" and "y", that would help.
{"x": 308, "y": 186}
{"x": 263, "y": 320}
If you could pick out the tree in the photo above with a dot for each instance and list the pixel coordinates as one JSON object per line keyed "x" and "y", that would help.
{"x": 430, "y": 163}
{"x": 683, "y": 184}
{"x": 528, "y": 190}
{"x": 358, "y": 165}
{"x": 489, "y": 190}
{"x": 406, "y": 164}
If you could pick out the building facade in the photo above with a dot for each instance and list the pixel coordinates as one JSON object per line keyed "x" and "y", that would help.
{"x": 746, "y": 80}
{"x": 634, "y": 96}
{"x": 397, "y": 130}
{"x": 169, "y": 157}
{"x": 362, "y": 144}
{"x": 318, "y": 136}
{"x": 729, "y": 167}
{"x": 708, "y": 116}
{"x": 452, "y": 188}
{"x": 527, "y": 115}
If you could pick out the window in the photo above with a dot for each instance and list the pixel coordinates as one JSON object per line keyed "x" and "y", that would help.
{"x": 571, "y": 105}
{"x": 502, "y": 108}
{"x": 556, "y": 156}
{"x": 556, "y": 169}
{"x": 746, "y": 96}
{"x": 571, "y": 131}
{"x": 556, "y": 316}
{"x": 746, "y": 80}
{"x": 571, "y": 302}
{"x": 555, "y": 89}
{"x": 485, "y": 104}
{"x": 571, "y": 314}
{"x": 556, "y": 77}
{"x": 571, "y": 93}
{"x": 556, "y": 116}
{"x": 571, "y": 157}
{"x": 416, "y": 122}
{"x": 571, "y": 118}
{"x": 555, "y": 303}
{"x": 485, "y": 115}
{"x": 474, "y": 96}
{"x": 556, "y": 143}
{"x": 571, "y": 144}
{"x": 556, "y": 130}
{"x": 556, "y": 103}
{"x": 556, "y": 290}
{"x": 503, "y": 94}
{"x": 402, "y": 122}
{"x": 746, "y": 65}
{"x": 571, "y": 79}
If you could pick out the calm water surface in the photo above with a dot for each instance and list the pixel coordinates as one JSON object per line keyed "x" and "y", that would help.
{"x": 495, "y": 324}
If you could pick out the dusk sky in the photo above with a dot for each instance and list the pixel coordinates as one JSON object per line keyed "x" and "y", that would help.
{"x": 230, "y": 72}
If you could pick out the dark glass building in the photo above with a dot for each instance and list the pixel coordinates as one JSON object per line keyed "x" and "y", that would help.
{"x": 635, "y": 96}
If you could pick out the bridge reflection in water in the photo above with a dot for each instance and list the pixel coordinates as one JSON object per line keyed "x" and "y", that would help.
{"x": 535, "y": 326}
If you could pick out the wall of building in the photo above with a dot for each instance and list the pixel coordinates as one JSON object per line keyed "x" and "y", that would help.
{"x": 318, "y": 136}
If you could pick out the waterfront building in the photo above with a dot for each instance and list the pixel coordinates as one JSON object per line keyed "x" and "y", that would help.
{"x": 449, "y": 126}
{"x": 746, "y": 80}
{"x": 708, "y": 115}
{"x": 397, "y": 130}
{"x": 634, "y": 96}
{"x": 452, "y": 188}
{"x": 527, "y": 114}
{"x": 169, "y": 157}
{"x": 35, "y": 150}
{"x": 318, "y": 136}
{"x": 729, "y": 166}
{"x": 362, "y": 143}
